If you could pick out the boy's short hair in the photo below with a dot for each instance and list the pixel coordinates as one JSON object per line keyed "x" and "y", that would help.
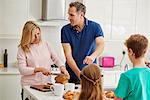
{"x": 138, "y": 43}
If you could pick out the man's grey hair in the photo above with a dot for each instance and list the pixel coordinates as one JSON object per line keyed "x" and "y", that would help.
{"x": 79, "y": 6}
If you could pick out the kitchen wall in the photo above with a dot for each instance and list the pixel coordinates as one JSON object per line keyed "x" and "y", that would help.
{"x": 0, "y": 17}
{"x": 52, "y": 35}
{"x": 113, "y": 42}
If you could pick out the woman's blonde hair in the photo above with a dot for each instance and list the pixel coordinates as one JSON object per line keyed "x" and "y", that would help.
{"x": 91, "y": 84}
{"x": 27, "y": 35}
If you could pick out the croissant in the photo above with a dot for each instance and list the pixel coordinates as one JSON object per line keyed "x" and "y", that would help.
{"x": 61, "y": 78}
{"x": 110, "y": 94}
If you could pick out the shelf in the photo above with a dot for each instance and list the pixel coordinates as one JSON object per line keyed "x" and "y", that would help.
{"x": 9, "y": 36}
{"x": 52, "y": 23}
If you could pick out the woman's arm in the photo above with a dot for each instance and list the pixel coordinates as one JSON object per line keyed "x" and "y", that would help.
{"x": 22, "y": 63}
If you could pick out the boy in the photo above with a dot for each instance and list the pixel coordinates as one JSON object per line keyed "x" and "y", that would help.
{"x": 135, "y": 83}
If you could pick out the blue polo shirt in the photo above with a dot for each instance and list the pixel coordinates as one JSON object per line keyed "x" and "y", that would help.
{"x": 82, "y": 43}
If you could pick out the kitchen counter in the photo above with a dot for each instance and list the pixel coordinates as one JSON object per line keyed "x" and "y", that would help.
{"x": 9, "y": 70}
{"x": 33, "y": 94}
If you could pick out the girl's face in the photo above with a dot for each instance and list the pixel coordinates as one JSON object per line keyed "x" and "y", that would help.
{"x": 36, "y": 36}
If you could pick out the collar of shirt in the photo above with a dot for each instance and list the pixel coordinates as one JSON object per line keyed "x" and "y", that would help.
{"x": 86, "y": 24}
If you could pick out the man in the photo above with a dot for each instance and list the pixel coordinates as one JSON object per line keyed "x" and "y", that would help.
{"x": 134, "y": 84}
{"x": 82, "y": 41}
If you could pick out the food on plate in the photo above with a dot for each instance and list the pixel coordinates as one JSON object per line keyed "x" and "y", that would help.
{"x": 61, "y": 78}
{"x": 46, "y": 86}
{"x": 70, "y": 95}
{"x": 110, "y": 94}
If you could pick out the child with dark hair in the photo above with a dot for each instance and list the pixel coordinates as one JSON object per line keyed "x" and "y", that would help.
{"x": 135, "y": 83}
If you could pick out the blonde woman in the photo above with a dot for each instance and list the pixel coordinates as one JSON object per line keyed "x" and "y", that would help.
{"x": 35, "y": 56}
{"x": 91, "y": 83}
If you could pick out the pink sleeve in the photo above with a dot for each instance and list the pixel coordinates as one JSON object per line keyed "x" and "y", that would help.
{"x": 54, "y": 56}
{"x": 22, "y": 63}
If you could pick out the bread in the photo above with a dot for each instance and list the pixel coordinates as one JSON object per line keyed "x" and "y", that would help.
{"x": 61, "y": 78}
{"x": 110, "y": 94}
{"x": 68, "y": 95}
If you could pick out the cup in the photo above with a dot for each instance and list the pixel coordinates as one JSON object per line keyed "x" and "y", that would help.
{"x": 52, "y": 79}
{"x": 69, "y": 87}
{"x": 58, "y": 89}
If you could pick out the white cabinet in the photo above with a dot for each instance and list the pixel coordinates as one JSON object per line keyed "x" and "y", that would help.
{"x": 10, "y": 88}
{"x": 123, "y": 18}
{"x": 13, "y": 15}
{"x": 101, "y": 12}
{"x": 143, "y": 15}
{"x": 120, "y": 18}
{"x": 111, "y": 78}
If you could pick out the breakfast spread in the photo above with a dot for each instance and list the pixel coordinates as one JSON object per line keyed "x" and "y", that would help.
{"x": 61, "y": 78}
{"x": 70, "y": 95}
{"x": 110, "y": 94}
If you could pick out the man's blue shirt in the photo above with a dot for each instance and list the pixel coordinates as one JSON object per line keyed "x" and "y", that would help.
{"x": 82, "y": 43}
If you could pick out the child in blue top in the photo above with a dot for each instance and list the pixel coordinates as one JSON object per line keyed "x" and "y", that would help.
{"x": 135, "y": 83}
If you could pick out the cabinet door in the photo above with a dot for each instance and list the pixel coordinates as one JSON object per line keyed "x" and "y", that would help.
{"x": 10, "y": 87}
{"x": 101, "y": 12}
{"x": 143, "y": 15}
{"x": 109, "y": 79}
{"x": 124, "y": 17}
{"x": 14, "y": 15}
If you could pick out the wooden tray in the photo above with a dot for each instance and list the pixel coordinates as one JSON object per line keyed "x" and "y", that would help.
{"x": 43, "y": 88}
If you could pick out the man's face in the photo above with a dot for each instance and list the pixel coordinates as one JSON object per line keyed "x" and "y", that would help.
{"x": 74, "y": 16}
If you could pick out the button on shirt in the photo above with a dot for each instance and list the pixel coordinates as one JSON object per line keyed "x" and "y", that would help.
{"x": 82, "y": 43}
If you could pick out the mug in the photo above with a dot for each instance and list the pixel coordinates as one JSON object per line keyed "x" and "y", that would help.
{"x": 58, "y": 89}
{"x": 69, "y": 87}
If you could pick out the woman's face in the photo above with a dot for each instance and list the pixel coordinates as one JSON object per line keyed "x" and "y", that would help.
{"x": 36, "y": 36}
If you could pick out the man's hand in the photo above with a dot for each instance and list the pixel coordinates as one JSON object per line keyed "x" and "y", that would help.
{"x": 78, "y": 74}
{"x": 64, "y": 71}
{"x": 88, "y": 60}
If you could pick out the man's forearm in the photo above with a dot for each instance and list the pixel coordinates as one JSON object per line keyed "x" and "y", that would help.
{"x": 99, "y": 48}
{"x": 72, "y": 64}
{"x": 97, "y": 52}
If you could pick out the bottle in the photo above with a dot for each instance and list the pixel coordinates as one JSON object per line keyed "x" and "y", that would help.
{"x": 5, "y": 58}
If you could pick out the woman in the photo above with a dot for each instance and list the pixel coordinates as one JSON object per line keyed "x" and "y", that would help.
{"x": 91, "y": 83}
{"x": 35, "y": 56}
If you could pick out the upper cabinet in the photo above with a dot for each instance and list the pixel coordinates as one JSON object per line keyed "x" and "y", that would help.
{"x": 120, "y": 18}
{"x": 143, "y": 17}
{"x": 13, "y": 15}
{"x": 123, "y": 18}
{"x": 101, "y": 12}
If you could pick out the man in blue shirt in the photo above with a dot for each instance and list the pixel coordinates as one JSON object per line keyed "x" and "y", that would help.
{"x": 82, "y": 40}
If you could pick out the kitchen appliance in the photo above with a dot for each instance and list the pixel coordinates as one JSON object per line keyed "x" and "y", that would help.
{"x": 53, "y": 9}
{"x": 107, "y": 61}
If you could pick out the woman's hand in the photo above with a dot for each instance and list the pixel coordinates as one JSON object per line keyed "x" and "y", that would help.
{"x": 43, "y": 70}
{"x": 64, "y": 71}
